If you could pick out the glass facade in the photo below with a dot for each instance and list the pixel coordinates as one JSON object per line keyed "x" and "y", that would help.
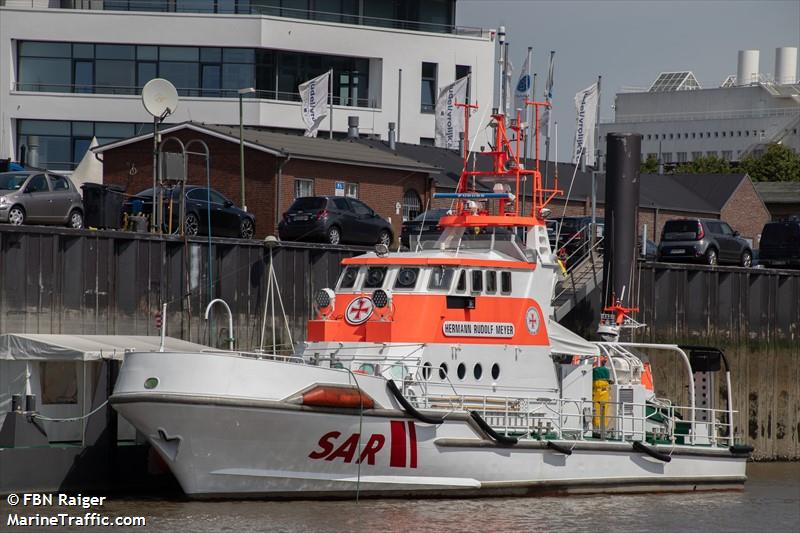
{"x": 421, "y": 15}
{"x": 61, "y": 144}
{"x": 210, "y": 72}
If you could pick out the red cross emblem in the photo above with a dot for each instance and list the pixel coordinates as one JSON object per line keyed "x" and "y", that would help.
{"x": 532, "y": 320}
{"x": 359, "y": 310}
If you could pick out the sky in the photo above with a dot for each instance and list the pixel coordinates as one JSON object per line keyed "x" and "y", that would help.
{"x": 629, "y": 43}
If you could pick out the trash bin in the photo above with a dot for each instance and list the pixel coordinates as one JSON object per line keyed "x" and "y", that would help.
{"x": 102, "y": 205}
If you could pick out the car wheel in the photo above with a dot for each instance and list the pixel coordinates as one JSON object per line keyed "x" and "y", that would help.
{"x": 247, "y": 229}
{"x": 711, "y": 257}
{"x": 385, "y": 237}
{"x": 75, "y": 220}
{"x": 16, "y": 216}
{"x": 192, "y": 225}
{"x": 334, "y": 235}
{"x": 747, "y": 259}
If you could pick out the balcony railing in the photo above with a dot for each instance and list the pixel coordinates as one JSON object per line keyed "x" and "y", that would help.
{"x": 254, "y": 7}
{"x": 279, "y": 96}
{"x": 702, "y": 115}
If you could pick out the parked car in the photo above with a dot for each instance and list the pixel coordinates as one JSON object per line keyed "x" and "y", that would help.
{"x": 703, "y": 240}
{"x": 40, "y": 197}
{"x": 574, "y": 237}
{"x": 780, "y": 244}
{"x": 227, "y": 220}
{"x": 423, "y": 225}
{"x": 334, "y": 219}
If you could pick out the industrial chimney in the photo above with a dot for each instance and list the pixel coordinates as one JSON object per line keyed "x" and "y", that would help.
{"x": 786, "y": 65}
{"x": 747, "y": 71}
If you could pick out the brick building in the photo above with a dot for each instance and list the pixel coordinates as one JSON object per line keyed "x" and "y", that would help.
{"x": 278, "y": 168}
{"x": 782, "y": 198}
{"x": 730, "y": 197}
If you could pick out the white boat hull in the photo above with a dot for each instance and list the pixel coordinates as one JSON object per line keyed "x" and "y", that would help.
{"x": 217, "y": 444}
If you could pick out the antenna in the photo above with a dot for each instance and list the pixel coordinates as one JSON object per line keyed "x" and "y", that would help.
{"x": 160, "y": 98}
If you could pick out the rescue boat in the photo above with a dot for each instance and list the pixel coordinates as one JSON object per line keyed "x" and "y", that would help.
{"x": 439, "y": 371}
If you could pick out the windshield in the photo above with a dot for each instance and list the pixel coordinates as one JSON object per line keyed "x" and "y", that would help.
{"x": 681, "y": 230}
{"x": 308, "y": 203}
{"x": 12, "y": 181}
{"x": 780, "y": 233}
{"x": 431, "y": 216}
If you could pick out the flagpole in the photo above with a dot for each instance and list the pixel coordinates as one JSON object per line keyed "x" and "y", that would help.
{"x": 596, "y": 165}
{"x": 330, "y": 100}
{"x": 527, "y": 130}
{"x": 549, "y": 118}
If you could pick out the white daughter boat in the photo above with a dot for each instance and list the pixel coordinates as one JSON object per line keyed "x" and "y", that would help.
{"x": 437, "y": 372}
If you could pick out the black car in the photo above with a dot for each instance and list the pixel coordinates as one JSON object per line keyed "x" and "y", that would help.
{"x": 227, "y": 220}
{"x": 780, "y": 244}
{"x": 703, "y": 240}
{"x": 574, "y": 237}
{"x": 424, "y": 225}
{"x": 334, "y": 219}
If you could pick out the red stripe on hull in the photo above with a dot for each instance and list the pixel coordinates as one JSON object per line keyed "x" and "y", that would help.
{"x": 398, "y": 451}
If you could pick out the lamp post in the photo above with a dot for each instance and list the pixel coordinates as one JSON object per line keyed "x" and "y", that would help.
{"x": 242, "y": 92}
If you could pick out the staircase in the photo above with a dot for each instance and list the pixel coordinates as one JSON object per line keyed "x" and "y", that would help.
{"x": 582, "y": 278}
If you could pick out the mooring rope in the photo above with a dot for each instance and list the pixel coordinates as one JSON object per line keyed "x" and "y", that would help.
{"x": 72, "y": 419}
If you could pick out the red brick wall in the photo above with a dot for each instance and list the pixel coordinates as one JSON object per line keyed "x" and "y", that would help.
{"x": 745, "y": 212}
{"x": 131, "y": 166}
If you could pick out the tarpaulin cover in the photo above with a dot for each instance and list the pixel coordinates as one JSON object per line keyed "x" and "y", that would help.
{"x": 563, "y": 341}
{"x": 23, "y": 346}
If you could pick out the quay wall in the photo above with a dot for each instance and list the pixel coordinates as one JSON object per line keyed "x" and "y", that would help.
{"x": 55, "y": 280}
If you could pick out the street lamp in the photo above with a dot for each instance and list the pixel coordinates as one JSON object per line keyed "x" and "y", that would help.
{"x": 242, "y": 92}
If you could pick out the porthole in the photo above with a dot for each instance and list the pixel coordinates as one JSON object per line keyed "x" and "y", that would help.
{"x": 151, "y": 383}
{"x": 477, "y": 371}
{"x": 495, "y": 371}
{"x": 426, "y": 371}
{"x": 443, "y": 371}
{"x": 461, "y": 370}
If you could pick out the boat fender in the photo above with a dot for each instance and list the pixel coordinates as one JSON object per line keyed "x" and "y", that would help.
{"x": 407, "y": 407}
{"x": 741, "y": 449}
{"x": 558, "y": 448}
{"x": 500, "y": 439}
{"x": 639, "y": 447}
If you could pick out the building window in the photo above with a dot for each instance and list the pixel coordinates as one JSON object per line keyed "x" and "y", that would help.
{"x": 303, "y": 187}
{"x": 711, "y": 153}
{"x": 681, "y": 157}
{"x": 351, "y": 190}
{"x": 411, "y": 205}
{"x": 667, "y": 157}
{"x": 462, "y": 71}
{"x": 61, "y": 144}
{"x": 727, "y": 155}
{"x": 723, "y": 134}
{"x": 427, "y": 141}
{"x": 693, "y": 135}
{"x": 428, "y": 87}
{"x": 670, "y": 136}
{"x": 739, "y": 133}
{"x": 651, "y": 155}
{"x": 716, "y": 134}
{"x": 696, "y": 155}
{"x": 648, "y": 136}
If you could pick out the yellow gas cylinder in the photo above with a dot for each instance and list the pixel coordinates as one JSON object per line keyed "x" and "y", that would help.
{"x": 601, "y": 376}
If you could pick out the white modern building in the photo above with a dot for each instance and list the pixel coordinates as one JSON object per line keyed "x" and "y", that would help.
{"x": 71, "y": 70}
{"x": 681, "y": 121}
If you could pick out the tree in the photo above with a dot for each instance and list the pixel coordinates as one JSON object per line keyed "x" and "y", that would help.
{"x": 776, "y": 163}
{"x": 650, "y": 165}
{"x": 709, "y": 164}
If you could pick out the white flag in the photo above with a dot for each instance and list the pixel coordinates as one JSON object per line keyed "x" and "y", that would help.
{"x": 545, "y": 115}
{"x": 523, "y": 90}
{"x": 449, "y": 118}
{"x": 314, "y": 95}
{"x": 585, "y": 120}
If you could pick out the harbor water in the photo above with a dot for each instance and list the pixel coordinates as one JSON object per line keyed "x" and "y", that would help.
{"x": 770, "y": 502}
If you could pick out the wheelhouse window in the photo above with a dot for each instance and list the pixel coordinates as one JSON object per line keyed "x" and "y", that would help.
{"x": 462, "y": 281}
{"x": 505, "y": 281}
{"x": 441, "y": 278}
{"x": 477, "y": 280}
{"x": 348, "y": 279}
{"x": 375, "y": 277}
{"x": 491, "y": 281}
{"x": 406, "y": 278}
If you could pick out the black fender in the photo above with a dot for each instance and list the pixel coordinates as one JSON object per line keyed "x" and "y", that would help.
{"x": 500, "y": 439}
{"x": 741, "y": 449}
{"x": 408, "y": 408}
{"x": 558, "y": 448}
{"x": 652, "y": 452}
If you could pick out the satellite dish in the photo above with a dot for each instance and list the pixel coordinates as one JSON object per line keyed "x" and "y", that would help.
{"x": 160, "y": 98}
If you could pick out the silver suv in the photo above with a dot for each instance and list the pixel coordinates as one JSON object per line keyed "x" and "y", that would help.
{"x": 39, "y": 197}
{"x": 703, "y": 240}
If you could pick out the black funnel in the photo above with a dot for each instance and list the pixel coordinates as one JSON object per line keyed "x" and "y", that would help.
{"x": 622, "y": 210}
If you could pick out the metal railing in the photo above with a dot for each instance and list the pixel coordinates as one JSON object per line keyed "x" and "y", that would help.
{"x": 254, "y": 7}
{"x": 702, "y": 115}
{"x": 260, "y": 94}
{"x": 583, "y": 263}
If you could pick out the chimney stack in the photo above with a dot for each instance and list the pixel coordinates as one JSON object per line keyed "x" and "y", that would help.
{"x": 392, "y": 143}
{"x": 747, "y": 71}
{"x": 352, "y": 127}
